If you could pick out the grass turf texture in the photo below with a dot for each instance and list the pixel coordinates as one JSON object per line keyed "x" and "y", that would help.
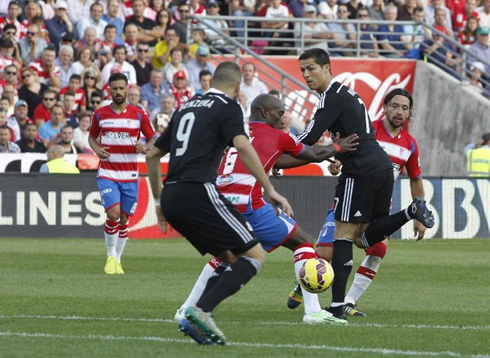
{"x": 431, "y": 298}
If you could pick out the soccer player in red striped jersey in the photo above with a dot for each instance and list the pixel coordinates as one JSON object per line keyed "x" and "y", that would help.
{"x": 114, "y": 138}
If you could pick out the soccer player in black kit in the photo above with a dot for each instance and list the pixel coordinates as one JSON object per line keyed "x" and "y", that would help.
{"x": 363, "y": 193}
{"x": 196, "y": 139}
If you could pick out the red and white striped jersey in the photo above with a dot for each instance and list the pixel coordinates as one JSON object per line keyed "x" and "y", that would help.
{"x": 120, "y": 132}
{"x": 42, "y": 73}
{"x": 235, "y": 181}
{"x": 402, "y": 150}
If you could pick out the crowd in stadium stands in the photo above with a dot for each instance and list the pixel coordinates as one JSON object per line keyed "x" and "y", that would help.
{"x": 56, "y": 55}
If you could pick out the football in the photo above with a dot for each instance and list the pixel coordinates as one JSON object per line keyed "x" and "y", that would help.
{"x": 316, "y": 275}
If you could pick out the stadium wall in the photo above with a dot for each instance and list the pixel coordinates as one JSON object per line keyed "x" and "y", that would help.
{"x": 448, "y": 117}
{"x": 68, "y": 206}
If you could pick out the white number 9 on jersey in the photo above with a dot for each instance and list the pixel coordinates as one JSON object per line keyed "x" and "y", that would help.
{"x": 184, "y": 132}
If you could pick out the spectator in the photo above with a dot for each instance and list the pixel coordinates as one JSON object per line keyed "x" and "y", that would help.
{"x": 414, "y": 35}
{"x": 167, "y": 107}
{"x": 467, "y": 37}
{"x": 33, "y": 10}
{"x": 10, "y": 73}
{"x": 79, "y": 9}
{"x": 287, "y": 117}
{"x": 32, "y": 90}
{"x": 368, "y": 43}
{"x": 163, "y": 20}
{"x": 48, "y": 8}
{"x": 481, "y": 48}
{"x": 176, "y": 64}
{"x": 134, "y": 97}
{"x": 32, "y": 46}
{"x": 10, "y": 33}
{"x": 85, "y": 62}
{"x": 66, "y": 140}
{"x": 95, "y": 101}
{"x": 274, "y": 29}
{"x": 478, "y": 157}
{"x": 297, "y": 7}
{"x": 212, "y": 37}
{"x": 152, "y": 92}
{"x": 343, "y": 34}
{"x": 42, "y": 113}
{"x": 89, "y": 84}
{"x": 119, "y": 55}
{"x": 376, "y": 11}
{"x": 205, "y": 80}
{"x": 111, "y": 18}
{"x": 13, "y": 12}
{"x": 405, "y": 11}
{"x": 56, "y": 164}
{"x": 60, "y": 24}
{"x": 29, "y": 143}
{"x": 141, "y": 65}
{"x": 198, "y": 35}
{"x": 430, "y": 13}
{"x": 108, "y": 45}
{"x": 161, "y": 53}
{"x": 245, "y": 107}
{"x": 94, "y": 20}
{"x": 442, "y": 54}
{"x": 353, "y": 6}
{"x": 68, "y": 38}
{"x": 7, "y": 55}
{"x": 200, "y": 63}
{"x": 390, "y": 36}
{"x": 64, "y": 62}
{"x": 75, "y": 86}
{"x": 180, "y": 90}
{"x": 48, "y": 72}
{"x": 19, "y": 120}
{"x": 312, "y": 31}
{"x": 484, "y": 14}
{"x": 49, "y": 132}
{"x": 90, "y": 39}
{"x": 251, "y": 86}
{"x": 473, "y": 83}
{"x": 180, "y": 25}
{"x": 328, "y": 9}
{"x": 461, "y": 15}
{"x": 197, "y": 9}
{"x": 10, "y": 93}
{"x": 155, "y": 6}
{"x": 242, "y": 8}
{"x": 81, "y": 133}
{"x": 131, "y": 37}
{"x": 440, "y": 21}
{"x": 6, "y": 145}
{"x": 68, "y": 103}
{"x": 143, "y": 24}
{"x": 275, "y": 93}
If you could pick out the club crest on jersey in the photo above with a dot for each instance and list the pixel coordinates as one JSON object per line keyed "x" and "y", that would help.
{"x": 224, "y": 179}
{"x": 402, "y": 150}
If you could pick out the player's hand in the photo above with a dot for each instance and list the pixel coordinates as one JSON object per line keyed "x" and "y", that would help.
{"x": 162, "y": 223}
{"x": 348, "y": 144}
{"x": 102, "y": 152}
{"x": 418, "y": 230}
{"x": 334, "y": 168}
{"x": 141, "y": 148}
{"x": 278, "y": 200}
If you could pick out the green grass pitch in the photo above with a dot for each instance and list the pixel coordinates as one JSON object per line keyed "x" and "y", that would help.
{"x": 430, "y": 298}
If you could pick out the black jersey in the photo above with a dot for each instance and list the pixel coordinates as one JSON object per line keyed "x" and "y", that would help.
{"x": 341, "y": 110}
{"x": 198, "y": 134}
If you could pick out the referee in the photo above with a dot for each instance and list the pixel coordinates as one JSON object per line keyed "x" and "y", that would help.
{"x": 196, "y": 138}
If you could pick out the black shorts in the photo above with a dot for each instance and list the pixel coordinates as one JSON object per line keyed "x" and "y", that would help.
{"x": 206, "y": 218}
{"x": 364, "y": 199}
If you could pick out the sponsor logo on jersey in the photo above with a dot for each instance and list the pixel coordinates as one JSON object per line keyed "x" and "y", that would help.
{"x": 233, "y": 199}
{"x": 117, "y": 135}
{"x": 106, "y": 191}
{"x": 224, "y": 180}
{"x": 349, "y": 263}
{"x": 358, "y": 214}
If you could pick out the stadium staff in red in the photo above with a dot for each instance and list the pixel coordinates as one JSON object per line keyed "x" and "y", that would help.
{"x": 363, "y": 193}
{"x": 196, "y": 138}
{"x": 114, "y": 138}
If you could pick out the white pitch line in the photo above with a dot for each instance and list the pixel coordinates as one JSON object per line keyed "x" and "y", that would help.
{"x": 382, "y": 351}
{"x": 166, "y": 320}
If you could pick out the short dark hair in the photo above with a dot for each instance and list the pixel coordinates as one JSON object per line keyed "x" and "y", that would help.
{"x": 67, "y": 126}
{"x": 96, "y": 94}
{"x": 118, "y": 47}
{"x": 9, "y": 27}
{"x": 203, "y": 73}
{"x": 418, "y": 9}
{"x": 70, "y": 93}
{"x": 486, "y": 138}
{"x": 76, "y": 77}
{"x": 320, "y": 56}
{"x": 398, "y": 92}
{"x": 117, "y": 77}
{"x": 110, "y": 26}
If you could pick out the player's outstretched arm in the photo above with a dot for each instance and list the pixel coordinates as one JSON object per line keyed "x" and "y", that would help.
{"x": 154, "y": 175}
{"x": 251, "y": 160}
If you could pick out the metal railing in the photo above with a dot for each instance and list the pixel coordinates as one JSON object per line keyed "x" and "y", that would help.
{"x": 294, "y": 39}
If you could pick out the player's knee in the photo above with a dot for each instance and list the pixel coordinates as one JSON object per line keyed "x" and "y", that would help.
{"x": 113, "y": 215}
{"x": 325, "y": 252}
